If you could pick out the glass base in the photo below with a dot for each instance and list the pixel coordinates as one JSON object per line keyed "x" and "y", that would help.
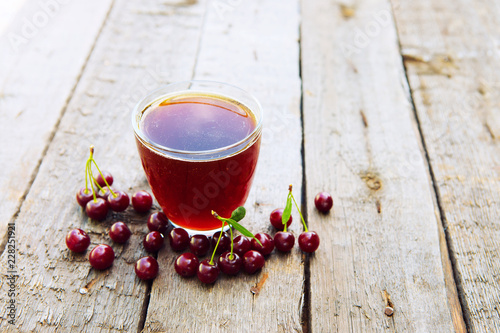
{"x": 207, "y": 233}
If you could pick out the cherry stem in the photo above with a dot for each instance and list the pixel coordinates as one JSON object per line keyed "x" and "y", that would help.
{"x": 297, "y": 206}
{"x": 93, "y": 182}
{"x": 103, "y": 178}
{"x": 286, "y": 223}
{"x": 231, "y": 231}
{"x": 86, "y": 176}
{"x": 218, "y": 240}
{"x": 96, "y": 183}
{"x": 89, "y": 171}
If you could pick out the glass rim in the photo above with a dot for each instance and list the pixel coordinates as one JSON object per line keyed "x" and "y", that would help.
{"x": 164, "y": 149}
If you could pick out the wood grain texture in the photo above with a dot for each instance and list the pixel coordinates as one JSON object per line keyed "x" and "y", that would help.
{"x": 253, "y": 44}
{"x": 380, "y": 243}
{"x": 143, "y": 44}
{"x": 452, "y": 58}
{"x": 43, "y": 51}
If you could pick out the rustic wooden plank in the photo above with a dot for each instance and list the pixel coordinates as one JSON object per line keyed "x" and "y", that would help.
{"x": 252, "y": 44}
{"x": 381, "y": 240}
{"x": 8, "y": 11}
{"x": 451, "y": 55}
{"x": 143, "y": 44}
{"x": 43, "y": 50}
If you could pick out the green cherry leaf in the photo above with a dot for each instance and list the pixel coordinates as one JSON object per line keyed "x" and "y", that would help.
{"x": 244, "y": 231}
{"x": 238, "y": 214}
{"x": 287, "y": 211}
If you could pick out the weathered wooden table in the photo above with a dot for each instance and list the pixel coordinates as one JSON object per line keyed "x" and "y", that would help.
{"x": 392, "y": 106}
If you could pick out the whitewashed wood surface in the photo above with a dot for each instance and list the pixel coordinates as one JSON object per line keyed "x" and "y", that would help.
{"x": 392, "y": 106}
{"x": 453, "y": 65}
{"x": 43, "y": 50}
{"x": 360, "y": 139}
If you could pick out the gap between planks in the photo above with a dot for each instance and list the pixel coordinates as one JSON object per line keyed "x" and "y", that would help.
{"x": 147, "y": 299}
{"x": 306, "y": 292}
{"x": 459, "y": 311}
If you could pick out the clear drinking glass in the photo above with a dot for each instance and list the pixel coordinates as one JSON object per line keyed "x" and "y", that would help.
{"x": 199, "y": 143}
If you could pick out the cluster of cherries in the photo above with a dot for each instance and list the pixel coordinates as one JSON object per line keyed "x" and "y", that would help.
{"x": 98, "y": 197}
{"x": 235, "y": 254}
{"x": 242, "y": 253}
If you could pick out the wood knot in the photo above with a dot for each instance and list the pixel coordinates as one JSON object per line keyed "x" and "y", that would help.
{"x": 347, "y": 11}
{"x": 372, "y": 181}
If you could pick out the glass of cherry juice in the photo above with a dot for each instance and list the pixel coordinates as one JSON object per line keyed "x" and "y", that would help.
{"x": 199, "y": 143}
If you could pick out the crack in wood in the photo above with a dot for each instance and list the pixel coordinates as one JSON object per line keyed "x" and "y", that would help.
{"x": 305, "y": 311}
{"x": 145, "y": 306}
{"x": 363, "y": 118}
{"x": 489, "y": 130}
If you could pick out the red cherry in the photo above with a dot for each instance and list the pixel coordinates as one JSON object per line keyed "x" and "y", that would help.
{"x": 158, "y": 222}
{"x": 97, "y": 209}
{"x": 109, "y": 178}
{"x": 178, "y": 239}
{"x": 284, "y": 241}
{"x": 253, "y": 261}
{"x": 241, "y": 244}
{"x": 186, "y": 264}
{"x": 224, "y": 243}
{"x": 207, "y": 272}
{"x": 230, "y": 264}
{"x": 83, "y": 196}
{"x": 276, "y": 219}
{"x": 153, "y": 241}
{"x": 118, "y": 202}
{"x": 266, "y": 241}
{"x": 199, "y": 245}
{"x": 119, "y": 232}
{"x": 323, "y": 202}
{"x": 146, "y": 268}
{"x": 104, "y": 193}
{"x": 77, "y": 240}
{"x": 102, "y": 256}
{"x": 309, "y": 241}
{"x": 142, "y": 201}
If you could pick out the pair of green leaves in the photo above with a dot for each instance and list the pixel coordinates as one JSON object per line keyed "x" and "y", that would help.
{"x": 237, "y": 215}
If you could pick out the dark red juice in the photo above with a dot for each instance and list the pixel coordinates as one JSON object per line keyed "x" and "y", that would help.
{"x": 188, "y": 184}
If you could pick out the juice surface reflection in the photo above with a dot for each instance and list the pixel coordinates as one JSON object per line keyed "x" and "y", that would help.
{"x": 188, "y": 189}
